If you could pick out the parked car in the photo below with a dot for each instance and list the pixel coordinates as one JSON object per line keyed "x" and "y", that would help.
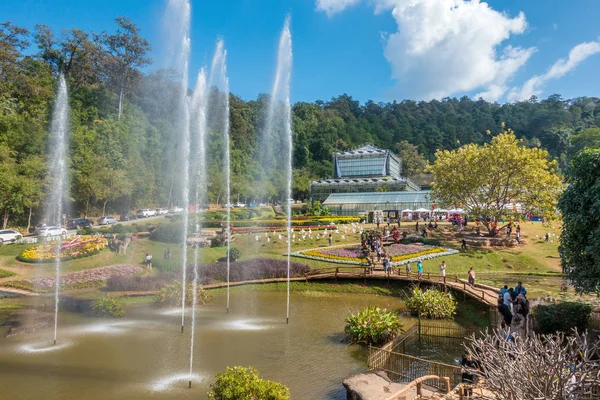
{"x": 51, "y": 231}
{"x": 262, "y": 205}
{"x": 161, "y": 211}
{"x": 240, "y": 205}
{"x": 145, "y": 212}
{"x": 227, "y": 205}
{"x": 128, "y": 217}
{"x": 9, "y": 236}
{"x": 176, "y": 209}
{"x": 79, "y": 223}
{"x": 107, "y": 221}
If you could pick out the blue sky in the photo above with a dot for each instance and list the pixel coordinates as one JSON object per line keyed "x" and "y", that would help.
{"x": 381, "y": 50}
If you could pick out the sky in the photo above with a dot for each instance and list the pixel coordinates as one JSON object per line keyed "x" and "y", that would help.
{"x": 380, "y": 50}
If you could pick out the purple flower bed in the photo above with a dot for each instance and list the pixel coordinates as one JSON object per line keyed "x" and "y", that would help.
{"x": 75, "y": 279}
{"x": 395, "y": 249}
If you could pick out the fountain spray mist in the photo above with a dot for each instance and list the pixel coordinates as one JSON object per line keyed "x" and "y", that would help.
{"x": 59, "y": 137}
{"x": 280, "y": 95}
{"x": 198, "y": 110}
{"x": 218, "y": 77}
{"x": 183, "y": 19}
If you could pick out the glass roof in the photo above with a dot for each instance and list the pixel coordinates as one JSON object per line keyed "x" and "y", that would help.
{"x": 378, "y": 197}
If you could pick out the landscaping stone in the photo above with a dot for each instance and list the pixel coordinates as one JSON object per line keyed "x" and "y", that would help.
{"x": 373, "y": 385}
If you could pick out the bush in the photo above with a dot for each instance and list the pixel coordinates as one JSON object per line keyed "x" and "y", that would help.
{"x": 373, "y": 325}
{"x": 217, "y": 241}
{"x": 108, "y": 307}
{"x": 170, "y": 295}
{"x": 432, "y": 304}
{"x": 168, "y": 233}
{"x": 239, "y": 383}
{"x": 562, "y": 317}
{"x": 235, "y": 254}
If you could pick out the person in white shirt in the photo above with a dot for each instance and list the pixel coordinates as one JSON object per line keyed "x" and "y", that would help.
{"x": 443, "y": 269}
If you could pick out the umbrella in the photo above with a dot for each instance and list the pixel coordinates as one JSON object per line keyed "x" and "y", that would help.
{"x": 408, "y": 210}
{"x": 421, "y": 210}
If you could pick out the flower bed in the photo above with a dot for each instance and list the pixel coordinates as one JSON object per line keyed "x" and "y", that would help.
{"x": 353, "y": 254}
{"x": 77, "y": 280}
{"x": 81, "y": 246}
{"x": 259, "y": 229}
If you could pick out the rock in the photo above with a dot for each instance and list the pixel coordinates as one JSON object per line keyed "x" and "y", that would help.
{"x": 372, "y": 385}
{"x": 509, "y": 266}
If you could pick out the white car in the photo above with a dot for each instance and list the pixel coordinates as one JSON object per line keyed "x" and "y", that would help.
{"x": 51, "y": 231}
{"x": 161, "y": 211}
{"x": 176, "y": 209}
{"x": 145, "y": 212}
{"x": 262, "y": 205}
{"x": 240, "y": 205}
{"x": 9, "y": 236}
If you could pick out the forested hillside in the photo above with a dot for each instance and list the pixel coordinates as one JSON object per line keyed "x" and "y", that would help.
{"x": 124, "y": 141}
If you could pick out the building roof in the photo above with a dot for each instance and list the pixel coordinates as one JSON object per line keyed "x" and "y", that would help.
{"x": 378, "y": 197}
{"x": 359, "y": 181}
{"x": 366, "y": 149}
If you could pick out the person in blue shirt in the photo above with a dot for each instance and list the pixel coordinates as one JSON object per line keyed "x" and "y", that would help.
{"x": 504, "y": 289}
{"x": 420, "y": 269}
{"x": 520, "y": 289}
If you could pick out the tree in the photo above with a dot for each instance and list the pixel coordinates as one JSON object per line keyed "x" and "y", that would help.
{"x": 580, "y": 206}
{"x": 112, "y": 185}
{"x": 413, "y": 162}
{"x": 586, "y": 138}
{"x": 538, "y": 367}
{"x": 126, "y": 50}
{"x": 488, "y": 179}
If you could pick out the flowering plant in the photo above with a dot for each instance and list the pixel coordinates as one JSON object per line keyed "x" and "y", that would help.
{"x": 81, "y": 246}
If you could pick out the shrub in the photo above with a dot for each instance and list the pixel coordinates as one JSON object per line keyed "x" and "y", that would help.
{"x": 109, "y": 307}
{"x": 562, "y": 317}
{"x": 168, "y": 233}
{"x": 432, "y": 304}
{"x": 373, "y": 325}
{"x": 239, "y": 383}
{"x": 217, "y": 241}
{"x": 235, "y": 254}
{"x": 170, "y": 295}
{"x": 119, "y": 228}
{"x": 5, "y": 274}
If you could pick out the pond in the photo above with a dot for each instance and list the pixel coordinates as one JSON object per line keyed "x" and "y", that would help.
{"x": 146, "y": 356}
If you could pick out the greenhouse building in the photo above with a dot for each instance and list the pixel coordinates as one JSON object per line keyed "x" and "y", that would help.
{"x": 364, "y": 170}
{"x": 387, "y": 204}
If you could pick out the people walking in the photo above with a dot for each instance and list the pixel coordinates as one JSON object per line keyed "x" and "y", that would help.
{"x": 420, "y": 269}
{"x": 443, "y": 269}
{"x": 148, "y": 261}
{"x": 408, "y": 270}
{"x": 472, "y": 277}
{"x": 463, "y": 245}
{"x": 330, "y": 239}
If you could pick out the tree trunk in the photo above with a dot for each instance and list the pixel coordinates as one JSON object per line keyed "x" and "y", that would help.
{"x": 5, "y": 219}
{"x": 87, "y": 206}
{"x": 29, "y": 219}
{"x": 121, "y": 91}
{"x": 104, "y": 208}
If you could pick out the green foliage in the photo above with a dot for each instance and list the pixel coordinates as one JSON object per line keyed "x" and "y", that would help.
{"x": 109, "y": 307}
{"x": 319, "y": 210}
{"x": 217, "y": 241}
{"x": 168, "y": 233}
{"x": 562, "y": 317}
{"x": 495, "y": 175}
{"x": 239, "y": 383}
{"x": 5, "y": 274}
{"x": 580, "y": 237}
{"x": 431, "y": 303}
{"x": 170, "y": 295}
{"x": 235, "y": 254}
{"x": 373, "y": 325}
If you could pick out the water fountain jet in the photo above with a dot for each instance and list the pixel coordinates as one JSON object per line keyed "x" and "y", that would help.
{"x": 58, "y": 179}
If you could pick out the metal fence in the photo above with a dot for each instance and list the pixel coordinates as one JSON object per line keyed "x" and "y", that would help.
{"x": 404, "y": 368}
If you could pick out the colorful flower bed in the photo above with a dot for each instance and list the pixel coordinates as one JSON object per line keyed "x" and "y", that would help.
{"x": 353, "y": 254}
{"x": 77, "y": 280}
{"x": 81, "y": 246}
{"x": 259, "y": 229}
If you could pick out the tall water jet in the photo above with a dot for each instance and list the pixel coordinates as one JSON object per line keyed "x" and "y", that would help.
{"x": 280, "y": 96}
{"x": 57, "y": 172}
{"x": 199, "y": 106}
{"x": 218, "y": 77}
{"x": 182, "y": 10}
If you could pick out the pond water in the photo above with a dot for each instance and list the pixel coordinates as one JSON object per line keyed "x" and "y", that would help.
{"x": 146, "y": 356}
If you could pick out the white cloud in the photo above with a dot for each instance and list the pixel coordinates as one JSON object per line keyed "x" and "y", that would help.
{"x": 445, "y": 47}
{"x": 534, "y": 85}
{"x": 331, "y": 7}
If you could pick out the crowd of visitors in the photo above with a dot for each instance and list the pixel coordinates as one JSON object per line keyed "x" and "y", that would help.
{"x": 514, "y": 308}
